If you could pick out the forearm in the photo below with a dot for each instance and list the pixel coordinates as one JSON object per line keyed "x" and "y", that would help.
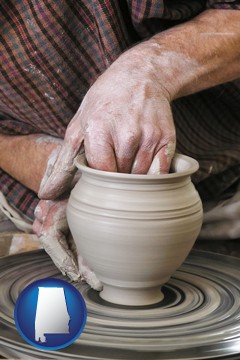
{"x": 25, "y": 157}
{"x": 193, "y": 56}
{"x": 211, "y": 46}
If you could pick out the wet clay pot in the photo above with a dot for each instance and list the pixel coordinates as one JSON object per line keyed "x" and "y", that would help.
{"x": 134, "y": 231}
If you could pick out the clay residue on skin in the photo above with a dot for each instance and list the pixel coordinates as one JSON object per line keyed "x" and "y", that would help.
{"x": 47, "y": 139}
{"x": 174, "y": 65}
{"x": 170, "y": 150}
{"x": 155, "y": 168}
{"x": 88, "y": 275}
{"x": 62, "y": 259}
{"x": 54, "y": 242}
{"x": 50, "y": 165}
{"x": 60, "y": 170}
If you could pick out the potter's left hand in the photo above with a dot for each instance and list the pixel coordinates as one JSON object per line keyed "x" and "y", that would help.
{"x": 52, "y": 229}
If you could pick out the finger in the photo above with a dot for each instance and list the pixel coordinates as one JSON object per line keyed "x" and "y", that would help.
{"x": 162, "y": 160}
{"x": 61, "y": 169}
{"x": 100, "y": 154}
{"x": 55, "y": 245}
{"x": 37, "y": 226}
{"x": 52, "y": 228}
{"x": 126, "y": 148}
{"x": 142, "y": 160}
{"x": 112, "y": 149}
{"x": 53, "y": 238}
{"x": 40, "y": 214}
{"x": 150, "y": 141}
{"x": 42, "y": 209}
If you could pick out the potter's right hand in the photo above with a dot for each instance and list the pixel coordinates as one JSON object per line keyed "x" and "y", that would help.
{"x": 125, "y": 121}
{"x": 52, "y": 229}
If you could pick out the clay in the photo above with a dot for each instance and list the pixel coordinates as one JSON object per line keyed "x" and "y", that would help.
{"x": 134, "y": 231}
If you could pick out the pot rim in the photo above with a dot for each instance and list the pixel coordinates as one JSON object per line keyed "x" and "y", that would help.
{"x": 191, "y": 165}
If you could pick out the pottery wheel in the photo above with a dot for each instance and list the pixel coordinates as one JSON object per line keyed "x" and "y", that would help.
{"x": 198, "y": 319}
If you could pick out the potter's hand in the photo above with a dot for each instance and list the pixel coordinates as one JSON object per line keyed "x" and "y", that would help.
{"x": 125, "y": 121}
{"x": 52, "y": 229}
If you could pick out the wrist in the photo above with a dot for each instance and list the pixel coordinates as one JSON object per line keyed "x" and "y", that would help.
{"x": 169, "y": 70}
{"x": 192, "y": 56}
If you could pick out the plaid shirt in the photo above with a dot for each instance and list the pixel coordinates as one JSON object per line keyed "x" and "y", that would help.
{"x": 53, "y": 51}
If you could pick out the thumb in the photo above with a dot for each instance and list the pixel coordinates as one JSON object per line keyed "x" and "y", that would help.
{"x": 52, "y": 229}
{"x": 60, "y": 169}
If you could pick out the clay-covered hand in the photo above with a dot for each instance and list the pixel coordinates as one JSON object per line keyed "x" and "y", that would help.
{"x": 125, "y": 118}
{"x": 125, "y": 121}
{"x": 52, "y": 229}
